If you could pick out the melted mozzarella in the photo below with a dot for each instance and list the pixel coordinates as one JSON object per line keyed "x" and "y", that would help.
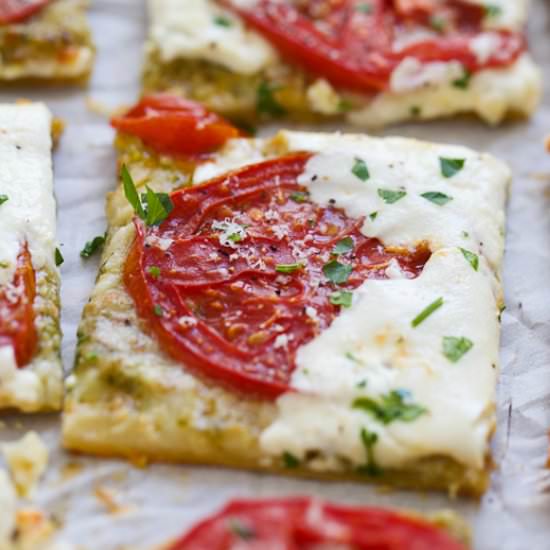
{"x": 26, "y": 179}
{"x": 8, "y": 507}
{"x": 202, "y": 30}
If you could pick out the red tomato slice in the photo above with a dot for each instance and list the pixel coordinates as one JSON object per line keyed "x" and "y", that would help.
{"x": 236, "y": 311}
{"x": 17, "y": 327}
{"x": 173, "y": 125}
{"x": 306, "y": 524}
{"x": 351, "y": 43}
{"x": 13, "y": 11}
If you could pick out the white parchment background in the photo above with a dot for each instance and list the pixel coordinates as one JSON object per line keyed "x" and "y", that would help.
{"x": 161, "y": 501}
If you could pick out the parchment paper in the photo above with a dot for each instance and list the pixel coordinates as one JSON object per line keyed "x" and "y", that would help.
{"x": 161, "y": 501}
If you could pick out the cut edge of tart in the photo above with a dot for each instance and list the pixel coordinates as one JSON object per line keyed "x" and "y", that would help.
{"x": 127, "y": 397}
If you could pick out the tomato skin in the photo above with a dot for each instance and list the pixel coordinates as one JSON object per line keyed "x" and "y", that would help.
{"x": 303, "y": 524}
{"x": 17, "y": 328}
{"x": 173, "y": 125}
{"x": 353, "y": 48}
{"x": 14, "y": 11}
{"x": 235, "y": 301}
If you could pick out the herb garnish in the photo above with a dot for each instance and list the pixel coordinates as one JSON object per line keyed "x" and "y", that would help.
{"x": 437, "y": 197}
{"x": 223, "y": 21}
{"x": 363, "y": 8}
{"x": 492, "y": 10}
{"x": 91, "y": 247}
{"x": 266, "y": 102}
{"x": 343, "y": 246}
{"x": 341, "y": 298}
{"x": 473, "y": 259}
{"x": 3, "y": 199}
{"x": 369, "y": 440}
{"x": 464, "y": 81}
{"x": 157, "y": 310}
{"x": 241, "y": 530}
{"x": 58, "y": 257}
{"x": 454, "y": 348}
{"x": 449, "y": 167}
{"x": 290, "y": 461}
{"x": 415, "y": 110}
{"x": 299, "y": 196}
{"x": 336, "y": 272}
{"x": 288, "y": 268}
{"x": 389, "y": 196}
{"x": 373, "y": 215}
{"x": 392, "y": 406}
{"x": 360, "y": 170}
{"x": 425, "y": 313}
{"x": 154, "y": 271}
{"x": 153, "y": 208}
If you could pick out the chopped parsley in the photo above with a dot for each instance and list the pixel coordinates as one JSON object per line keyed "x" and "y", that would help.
{"x": 231, "y": 232}
{"x": 473, "y": 259}
{"x": 154, "y": 271}
{"x": 288, "y": 268}
{"x": 341, "y": 298}
{"x": 373, "y": 215}
{"x": 351, "y": 357}
{"x": 266, "y": 102}
{"x": 454, "y": 348}
{"x": 360, "y": 170}
{"x": 153, "y": 208}
{"x": 437, "y": 197}
{"x": 362, "y": 384}
{"x": 343, "y": 246}
{"x": 91, "y": 247}
{"x": 390, "y": 407}
{"x": 157, "y": 310}
{"x": 290, "y": 461}
{"x": 438, "y": 23}
{"x": 3, "y": 199}
{"x": 58, "y": 257}
{"x": 450, "y": 167}
{"x": 299, "y": 196}
{"x": 464, "y": 81}
{"x": 426, "y": 312}
{"x": 336, "y": 272}
{"x": 363, "y": 8}
{"x": 415, "y": 110}
{"x": 241, "y": 530}
{"x": 389, "y": 196}
{"x": 222, "y": 21}
{"x": 369, "y": 440}
{"x": 492, "y": 10}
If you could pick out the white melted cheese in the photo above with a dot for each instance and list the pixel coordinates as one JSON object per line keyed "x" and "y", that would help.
{"x": 201, "y": 29}
{"x": 387, "y": 352}
{"x": 8, "y": 500}
{"x": 28, "y": 214}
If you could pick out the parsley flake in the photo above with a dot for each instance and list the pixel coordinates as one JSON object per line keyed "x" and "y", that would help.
{"x": 223, "y": 21}
{"x": 341, "y": 298}
{"x": 290, "y": 461}
{"x": 343, "y": 246}
{"x": 426, "y": 312}
{"x": 363, "y": 8}
{"x": 437, "y": 197}
{"x": 373, "y": 215}
{"x": 415, "y": 111}
{"x": 91, "y": 247}
{"x": 58, "y": 257}
{"x": 473, "y": 259}
{"x": 464, "y": 81}
{"x": 154, "y": 271}
{"x": 492, "y": 10}
{"x": 299, "y": 196}
{"x": 438, "y": 23}
{"x": 336, "y": 272}
{"x": 3, "y": 199}
{"x": 389, "y": 196}
{"x": 360, "y": 170}
{"x": 390, "y": 407}
{"x": 288, "y": 268}
{"x": 157, "y": 310}
{"x": 369, "y": 440}
{"x": 454, "y": 348}
{"x": 266, "y": 102}
{"x": 241, "y": 530}
{"x": 450, "y": 167}
{"x": 153, "y": 208}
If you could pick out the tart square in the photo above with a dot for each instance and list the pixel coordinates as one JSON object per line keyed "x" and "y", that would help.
{"x": 31, "y": 374}
{"x": 315, "y": 304}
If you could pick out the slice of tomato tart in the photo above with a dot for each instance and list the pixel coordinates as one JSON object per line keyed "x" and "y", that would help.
{"x": 30, "y": 365}
{"x": 372, "y": 62}
{"x": 300, "y": 523}
{"x": 45, "y": 40}
{"x": 318, "y": 304}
